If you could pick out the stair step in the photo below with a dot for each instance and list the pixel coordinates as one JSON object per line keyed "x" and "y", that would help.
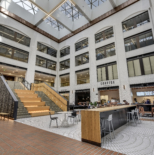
{"x": 31, "y": 100}
{"x": 41, "y": 113}
{"x": 33, "y": 104}
{"x": 30, "y": 109}
{"x": 19, "y": 90}
{"x": 27, "y": 95}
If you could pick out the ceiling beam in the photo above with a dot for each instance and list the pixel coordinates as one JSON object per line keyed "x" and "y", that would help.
{"x": 49, "y": 14}
{"x": 83, "y": 8}
{"x": 113, "y": 3}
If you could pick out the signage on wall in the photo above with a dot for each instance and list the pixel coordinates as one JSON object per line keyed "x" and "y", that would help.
{"x": 146, "y": 93}
{"x": 107, "y": 83}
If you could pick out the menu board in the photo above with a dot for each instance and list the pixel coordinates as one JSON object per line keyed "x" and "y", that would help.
{"x": 146, "y": 93}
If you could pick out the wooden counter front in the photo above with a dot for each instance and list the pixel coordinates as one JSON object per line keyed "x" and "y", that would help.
{"x": 90, "y": 123}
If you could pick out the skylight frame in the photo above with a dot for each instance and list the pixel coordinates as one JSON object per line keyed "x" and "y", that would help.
{"x": 70, "y": 11}
{"x": 94, "y": 3}
{"x": 52, "y": 22}
{"x": 27, "y": 6}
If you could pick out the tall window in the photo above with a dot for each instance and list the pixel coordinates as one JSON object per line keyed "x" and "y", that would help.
{"x": 139, "y": 41}
{"x": 14, "y": 36}
{"x": 64, "y": 64}
{"x": 65, "y": 51}
{"x": 43, "y": 62}
{"x": 83, "y": 77}
{"x": 46, "y": 49}
{"x": 82, "y": 59}
{"x": 104, "y": 35}
{"x": 65, "y": 80}
{"x": 13, "y": 53}
{"x": 107, "y": 72}
{"x": 142, "y": 65}
{"x": 105, "y": 51}
{"x": 82, "y": 44}
{"x": 136, "y": 21}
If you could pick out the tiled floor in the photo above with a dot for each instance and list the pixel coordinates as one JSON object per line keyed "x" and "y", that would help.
{"x": 20, "y": 139}
{"x": 131, "y": 140}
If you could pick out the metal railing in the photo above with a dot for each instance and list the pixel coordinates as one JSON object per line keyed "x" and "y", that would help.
{"x": 26, "y": 84}
{"x": 8, "y": 101}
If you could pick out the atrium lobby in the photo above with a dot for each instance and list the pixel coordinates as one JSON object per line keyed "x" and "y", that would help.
{"x": 76, "y": 77}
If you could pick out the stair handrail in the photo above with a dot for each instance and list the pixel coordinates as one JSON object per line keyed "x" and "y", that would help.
{"x": 26, "y": 83}
{"x": 58, "y": 94}
{"x": 15, "y": 100}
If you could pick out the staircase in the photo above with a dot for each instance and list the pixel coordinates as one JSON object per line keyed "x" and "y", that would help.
{"x": 33, "y": 103}
{"x": 48, "y": 101}
{"x": 22, "y": 111}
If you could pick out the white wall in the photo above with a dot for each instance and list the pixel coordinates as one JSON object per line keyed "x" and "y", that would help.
{"x": 35, "y": 37}
{"x": 120, "y": 57}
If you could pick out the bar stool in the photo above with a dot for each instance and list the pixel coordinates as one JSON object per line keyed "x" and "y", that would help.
{"x": 137, "y": 115}
{"x": 110, "y": 125}
{"x": 131, "y": 115}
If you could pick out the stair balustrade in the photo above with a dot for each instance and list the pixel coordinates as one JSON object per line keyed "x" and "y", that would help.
{"x": 59, "y": 100}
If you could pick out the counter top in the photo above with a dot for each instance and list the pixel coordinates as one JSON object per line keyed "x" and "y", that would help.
{"x": 143, "y": 104}
{"x": 110, "y": 108}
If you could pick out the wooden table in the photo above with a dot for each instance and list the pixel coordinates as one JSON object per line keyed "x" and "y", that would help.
{"x": 90, "y": 122}
{"x": 4, "y": 114}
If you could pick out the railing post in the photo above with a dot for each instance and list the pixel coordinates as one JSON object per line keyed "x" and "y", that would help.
{"x": 15, "y": 110}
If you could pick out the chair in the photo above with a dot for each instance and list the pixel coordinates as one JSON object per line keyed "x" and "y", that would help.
{"x": 53, "y": 118}
{"x": 110, "y": 125}
{"x": 137, "y": 115}
{"x": 74, "y": 116}
{"x": 131, "y": 115}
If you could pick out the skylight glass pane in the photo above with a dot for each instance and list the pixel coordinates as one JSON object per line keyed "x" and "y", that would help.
{"x": 94, "y": 3}
{"x": 70, "y": 11}
{"x": 27, "y": 6}
{"x": 53, "y": 23}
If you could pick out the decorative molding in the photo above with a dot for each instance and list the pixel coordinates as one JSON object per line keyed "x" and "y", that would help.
{"x": 93, "y": 22}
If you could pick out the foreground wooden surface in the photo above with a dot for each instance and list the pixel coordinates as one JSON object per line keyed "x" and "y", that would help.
{"x": 90, "y": 123}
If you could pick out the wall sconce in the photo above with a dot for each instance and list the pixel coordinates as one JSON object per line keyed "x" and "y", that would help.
{"x": 124, "y": 87}
{"x": 93, "y": 89}
{"x": 72, "y": 91}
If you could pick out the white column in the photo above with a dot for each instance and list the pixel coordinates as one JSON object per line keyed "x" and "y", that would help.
{"x": 93, "y": 70}
{"x": 124, "y": 87}
{"x": 72, "y": 74}
{"x": 30, "y": 74}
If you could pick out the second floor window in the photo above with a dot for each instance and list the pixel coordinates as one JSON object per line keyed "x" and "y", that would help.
{"x": 14, "y": 36}
{"x": 13, "y": 53}
{"x": 142, "y": 65}
{"x": 107, "y": 72}
{"x": 64, "y": 64}
{"x": 65, "y": 51}
{"x": 82, "y": 44}
{"x": 139, "y": 41}
{"x": 82, "y": 59}
{"x": 43, "y": 62}
{"x": 105, "y": 51}
{"x": 46, "y": 49}
{"x": 136, "y": 21}
{"x": 104, "y": 35}
{"x": 65, "y": 80}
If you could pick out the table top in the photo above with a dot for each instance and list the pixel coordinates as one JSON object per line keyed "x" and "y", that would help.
{"x": 110, "y": 108}
{"x": 79, "y": 109}
{"x": 65, "y": 112}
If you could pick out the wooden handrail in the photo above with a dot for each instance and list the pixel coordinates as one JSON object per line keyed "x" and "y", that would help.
{"x": 59, "y": 100}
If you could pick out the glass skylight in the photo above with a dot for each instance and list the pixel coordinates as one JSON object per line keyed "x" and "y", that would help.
{"x": 94, "y": 3}
{"x": 53, "y": 23}
{"x": 27, "y": 6}
{"x": 70, "y": 11}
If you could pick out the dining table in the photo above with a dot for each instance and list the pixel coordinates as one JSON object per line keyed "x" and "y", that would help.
{"x": 65, "y": 120}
